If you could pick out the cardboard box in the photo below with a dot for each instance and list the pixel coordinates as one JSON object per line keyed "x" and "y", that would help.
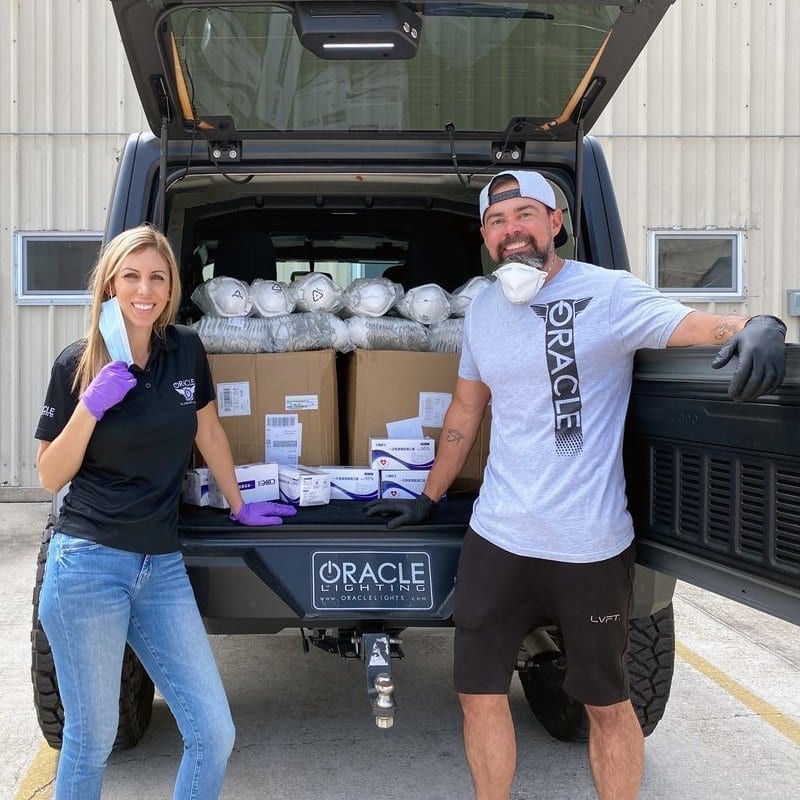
{"x": 384, "y": 386}
{"x": 353, "y": 483}
{"x": 256, "y": 482}
{"x": 249, "y": 387}
{"x": 303, "y": 486}
{"x": 402, "y": 454}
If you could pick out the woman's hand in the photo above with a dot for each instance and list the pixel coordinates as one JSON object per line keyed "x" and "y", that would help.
{"x": 108, "y": 388}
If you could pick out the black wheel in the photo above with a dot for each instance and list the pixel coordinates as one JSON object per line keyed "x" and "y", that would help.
{"x": 651, "y": 661}
{"x": 136, "y": 688}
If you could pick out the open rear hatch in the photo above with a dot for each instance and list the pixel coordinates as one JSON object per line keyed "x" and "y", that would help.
{"x": 500, "y": 71}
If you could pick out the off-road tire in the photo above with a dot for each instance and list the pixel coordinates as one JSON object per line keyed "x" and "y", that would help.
{"x": 651, "y": 661}
{"x": 136, "y": 688}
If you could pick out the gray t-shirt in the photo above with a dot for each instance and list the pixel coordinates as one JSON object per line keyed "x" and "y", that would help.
{"x": 559, "y": 369}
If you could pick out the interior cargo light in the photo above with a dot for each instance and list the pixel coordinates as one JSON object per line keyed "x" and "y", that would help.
{"x": 367, "y": 30}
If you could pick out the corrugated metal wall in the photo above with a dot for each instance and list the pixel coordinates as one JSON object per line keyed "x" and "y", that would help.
{"x": 66, "y": 105}
{"x": 705, "y": 131}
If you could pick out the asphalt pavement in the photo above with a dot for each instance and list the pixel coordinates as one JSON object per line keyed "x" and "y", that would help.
{"x": 304, "y": 730}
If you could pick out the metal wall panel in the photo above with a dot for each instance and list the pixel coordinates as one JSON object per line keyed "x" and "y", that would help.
{"x": 67, "y": 103}
{"x": 705, "y": 131}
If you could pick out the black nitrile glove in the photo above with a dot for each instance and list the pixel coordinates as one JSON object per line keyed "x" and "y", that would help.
{"x": 402, "y": 512}
{"x": 762, "y": 358}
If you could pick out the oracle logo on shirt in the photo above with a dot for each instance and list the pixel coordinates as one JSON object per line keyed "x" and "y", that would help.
{"x": 185, "y": 388}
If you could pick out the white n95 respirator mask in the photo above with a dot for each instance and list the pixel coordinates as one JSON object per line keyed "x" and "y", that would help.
{"x": 519, "y": 282}
{"x": 112, "y": 329}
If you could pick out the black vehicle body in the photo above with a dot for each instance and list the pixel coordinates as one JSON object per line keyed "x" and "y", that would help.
{"x": 714, "y": 487}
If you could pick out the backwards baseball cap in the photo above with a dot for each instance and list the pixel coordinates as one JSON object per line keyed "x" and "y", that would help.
{"x": 530, "y": 184}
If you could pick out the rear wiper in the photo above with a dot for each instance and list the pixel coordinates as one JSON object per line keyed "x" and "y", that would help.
{"x": 502, "y": 11}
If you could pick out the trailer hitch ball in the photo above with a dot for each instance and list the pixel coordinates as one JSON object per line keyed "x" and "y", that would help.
{"x": 384, "y": 704}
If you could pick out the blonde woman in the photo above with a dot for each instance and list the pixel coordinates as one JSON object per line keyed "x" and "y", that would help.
{"x": 122, "y": 437}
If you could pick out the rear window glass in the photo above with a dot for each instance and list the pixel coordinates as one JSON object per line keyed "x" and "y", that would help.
{"x": 477, "y": 65}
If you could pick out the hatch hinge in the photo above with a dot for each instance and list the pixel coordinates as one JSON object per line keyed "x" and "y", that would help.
{"x": 159, "y": 86}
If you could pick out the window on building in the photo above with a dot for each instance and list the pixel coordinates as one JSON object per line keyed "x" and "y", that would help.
{"x": 53, "y": 267}
{"x": 698, "y": 264}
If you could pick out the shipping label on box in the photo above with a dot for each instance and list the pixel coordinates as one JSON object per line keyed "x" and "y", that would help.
{"x": 304, "y": 486}
{"x": 353, "y": 483}
{"x": 401, "y": 453}
{"x": 403, "y": 484}
{"x": 256, "y": 482}
{"x": 196, "y": 486}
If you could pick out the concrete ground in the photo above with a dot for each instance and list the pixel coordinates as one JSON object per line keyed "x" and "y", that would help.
{"x": 732, "y": 727}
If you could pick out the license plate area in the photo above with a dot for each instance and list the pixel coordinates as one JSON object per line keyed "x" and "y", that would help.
{"x": 371, "y": 580}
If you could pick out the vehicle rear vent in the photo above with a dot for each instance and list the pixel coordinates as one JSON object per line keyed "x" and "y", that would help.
{"x": 663, "y": 478}
{"x": 752, "y": 509}
{"x": 691, "y": 480}
{"x": 787, "y": 518}
{"x": 720, "y": 496}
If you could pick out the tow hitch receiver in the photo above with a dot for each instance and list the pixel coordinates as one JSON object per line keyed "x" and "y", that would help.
{"x": 376, "y": 652}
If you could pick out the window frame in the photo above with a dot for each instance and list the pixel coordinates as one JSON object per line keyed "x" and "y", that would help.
{"x": 22, "y": 296}
{"x": 737, "y": 236}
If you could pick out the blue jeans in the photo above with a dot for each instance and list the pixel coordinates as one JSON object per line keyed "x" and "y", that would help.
{"x": 95, "y": 598}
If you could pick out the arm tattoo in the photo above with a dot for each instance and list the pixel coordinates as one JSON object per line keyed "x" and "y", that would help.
{"x": 726, "y": 327}
{"x": 453, "y": 436}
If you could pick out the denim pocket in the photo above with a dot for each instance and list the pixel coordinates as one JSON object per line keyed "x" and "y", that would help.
{"x": 73, "y": 544}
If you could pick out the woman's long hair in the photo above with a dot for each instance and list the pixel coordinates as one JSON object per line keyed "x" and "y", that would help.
{"x": 95, "y": 355}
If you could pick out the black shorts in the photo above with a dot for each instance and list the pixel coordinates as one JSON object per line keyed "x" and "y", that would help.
{"x": 500, "y": 597}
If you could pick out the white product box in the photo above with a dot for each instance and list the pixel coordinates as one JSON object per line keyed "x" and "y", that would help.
{"x": 304, "y": 486}
{"x": 401, "y": 453}
{"x": 256, "y": 482}
{"x": 403, "y": 484}
{"x": 197, "y": 486}
{"x": 353, "y": 483}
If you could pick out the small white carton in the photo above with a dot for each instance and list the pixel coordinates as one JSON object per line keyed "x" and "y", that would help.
{"x": 256, "y": 482}
{"x": 197, "y": 486}
{"x": 304, "y": 486}
{"x": 353, "y": 483}
{"x": 401, "y": 453}
{"x": 403, "y": 484}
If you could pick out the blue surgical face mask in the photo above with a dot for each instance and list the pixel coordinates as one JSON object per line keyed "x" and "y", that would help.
{"x": 112, "y": 329}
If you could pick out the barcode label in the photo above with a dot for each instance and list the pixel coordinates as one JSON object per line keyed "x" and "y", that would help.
{"x": 301, "y": 402}
{"x": 233, "y": 399}
{"x": 281, "y": 420}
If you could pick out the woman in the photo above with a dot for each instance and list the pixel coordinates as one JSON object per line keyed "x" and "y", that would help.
{"x": 123, "y": 438}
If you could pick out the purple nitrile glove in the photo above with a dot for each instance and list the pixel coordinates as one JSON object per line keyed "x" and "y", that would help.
{"x": 263, "y": 512}
{"x": 108, "y": 388}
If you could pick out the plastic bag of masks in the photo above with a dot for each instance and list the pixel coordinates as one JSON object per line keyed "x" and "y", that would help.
{"x": 310, "y": 330}
{"x": 223, "y": 297}
{"x": 315, "y": 292}
{"x": 370, "y": 297}
{"x": 445, "y": 336}
{"x": 466, "y": 293}
{"x": 286, "y": 333}
{"x": 387, "y": 333}
{"x": 270, "y": 298}
{"x": 427, "y": 304}
{"x": 239, "y": 335}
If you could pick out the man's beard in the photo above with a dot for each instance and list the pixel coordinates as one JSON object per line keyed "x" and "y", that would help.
{"x": 536, "y": 257}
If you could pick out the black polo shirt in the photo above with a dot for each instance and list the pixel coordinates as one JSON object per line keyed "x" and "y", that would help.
{"x": 126, "y": 493}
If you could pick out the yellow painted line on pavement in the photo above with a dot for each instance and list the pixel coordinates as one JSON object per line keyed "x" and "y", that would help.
{"x": 38, "y": 781}
{"x": 781, "y": 722}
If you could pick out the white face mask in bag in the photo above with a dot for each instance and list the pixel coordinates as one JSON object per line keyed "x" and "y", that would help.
{"x": 112, "y": 329}
{"x": 519, "y": 282}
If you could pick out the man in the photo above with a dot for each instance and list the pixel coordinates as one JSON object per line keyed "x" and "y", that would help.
{"x": 551, "y": 343}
